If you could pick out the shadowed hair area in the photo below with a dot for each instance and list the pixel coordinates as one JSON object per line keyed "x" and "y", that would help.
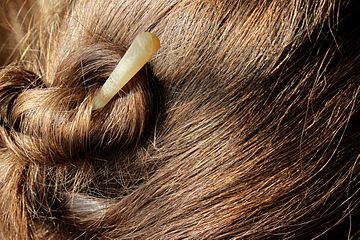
{"x": 245, "y": 124}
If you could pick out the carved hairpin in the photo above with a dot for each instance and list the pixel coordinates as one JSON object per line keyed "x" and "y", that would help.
{"x": 142, "y": 49}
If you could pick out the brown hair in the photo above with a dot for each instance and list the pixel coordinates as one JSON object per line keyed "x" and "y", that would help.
{"x": 245, "y": 125}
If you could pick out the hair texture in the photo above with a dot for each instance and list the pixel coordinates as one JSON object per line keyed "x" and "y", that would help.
{"x": 245, "y": 125}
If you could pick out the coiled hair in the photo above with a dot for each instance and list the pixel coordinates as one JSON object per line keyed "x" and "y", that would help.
{"x": 244, "y": 126}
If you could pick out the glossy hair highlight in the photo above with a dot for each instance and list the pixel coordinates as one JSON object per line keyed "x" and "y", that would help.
{"x": 244, "y": 126}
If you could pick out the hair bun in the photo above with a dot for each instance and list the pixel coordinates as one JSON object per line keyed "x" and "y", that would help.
{"x": 56, "y": 124}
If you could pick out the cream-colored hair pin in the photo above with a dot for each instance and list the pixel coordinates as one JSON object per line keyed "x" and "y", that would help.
{"x": 143, "y": 48}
